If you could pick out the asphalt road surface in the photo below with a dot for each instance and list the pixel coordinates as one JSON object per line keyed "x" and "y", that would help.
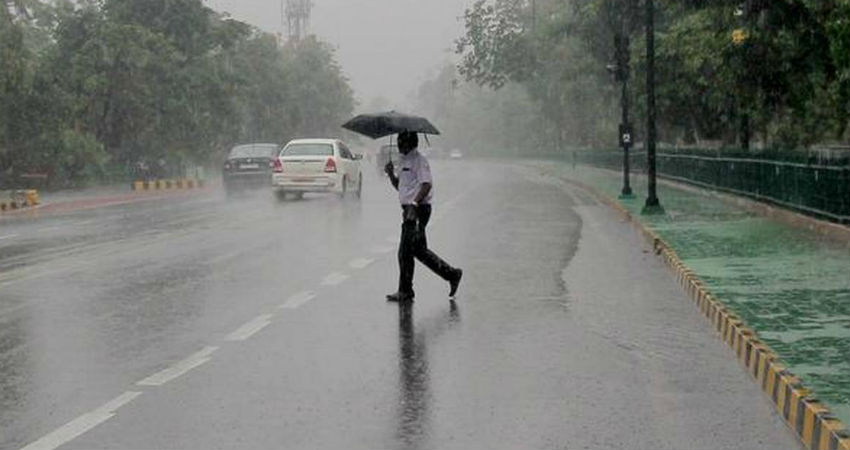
{"x": 204, "y": 323}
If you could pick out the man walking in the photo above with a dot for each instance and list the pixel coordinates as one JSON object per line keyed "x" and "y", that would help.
{"x": 415, "y": 190}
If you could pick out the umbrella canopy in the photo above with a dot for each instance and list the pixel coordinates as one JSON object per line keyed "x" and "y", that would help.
{"x": 386, "y": 123}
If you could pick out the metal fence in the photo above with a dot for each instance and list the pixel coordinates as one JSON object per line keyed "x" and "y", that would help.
{"x": 810, "y": 183}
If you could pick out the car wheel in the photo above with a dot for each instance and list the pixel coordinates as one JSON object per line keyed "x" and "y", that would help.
{"x": 280, "y": 195}
{"x": 299, "y": 195}
{"x": 344, "y": 188}
{"x": 360, "y": 186}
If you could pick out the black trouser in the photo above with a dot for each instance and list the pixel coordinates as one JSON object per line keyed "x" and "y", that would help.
{"x": 414, "y": 244}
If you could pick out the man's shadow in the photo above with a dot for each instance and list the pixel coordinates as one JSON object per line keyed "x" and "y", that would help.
{"x": 414, "y": 379}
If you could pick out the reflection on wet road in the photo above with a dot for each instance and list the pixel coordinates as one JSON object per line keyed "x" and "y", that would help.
{"x": 204, "y": 323}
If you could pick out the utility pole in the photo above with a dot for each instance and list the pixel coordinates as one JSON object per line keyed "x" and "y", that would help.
{"x": 621, "y": 44}
{"x": 652, "y": 206}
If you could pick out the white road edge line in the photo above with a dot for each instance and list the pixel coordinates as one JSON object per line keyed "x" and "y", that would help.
{"x": 73, "y": 429}
{"x": 10, "y": 236}
{"x": 360, "y": 263}
{"x": 297, "y": 300}
{"x": 334, "y": 279}
{"x": 252, "y": 326}
{"x": 181, "y": 368}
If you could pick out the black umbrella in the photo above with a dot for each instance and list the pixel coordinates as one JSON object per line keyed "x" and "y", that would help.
{"x": 386, "y": 123}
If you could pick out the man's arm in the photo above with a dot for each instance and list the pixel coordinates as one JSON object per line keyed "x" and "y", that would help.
{"x": 388, "y": 169}
{"x": 424, "y": 190}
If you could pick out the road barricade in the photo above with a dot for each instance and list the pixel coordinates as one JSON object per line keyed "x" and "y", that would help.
{"x": 167, "y": 184}
{"x": 19, "y": 199}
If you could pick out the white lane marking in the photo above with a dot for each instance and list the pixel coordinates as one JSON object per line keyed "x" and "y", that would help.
{"x": 9, "y": 236}
{"x": 297, "y": 300}
{"x": 252, "y": 326}
{"x": 82, "y": 424}
{"x": 383, "y": 249}
{"x": 334, "y": 279}
{"x": 181, "y": 368}
{"x": 225, "y": 257}
{"x": 360, "y": 263}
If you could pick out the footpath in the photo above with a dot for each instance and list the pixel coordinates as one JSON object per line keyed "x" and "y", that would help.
{"x": 788, "y": 284}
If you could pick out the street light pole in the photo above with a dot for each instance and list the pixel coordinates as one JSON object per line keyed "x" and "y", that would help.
{"x": 652, "y": 206}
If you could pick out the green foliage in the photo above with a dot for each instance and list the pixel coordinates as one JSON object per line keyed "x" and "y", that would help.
{"x": 92, "y": 82}
{"x": 786, "y": 85}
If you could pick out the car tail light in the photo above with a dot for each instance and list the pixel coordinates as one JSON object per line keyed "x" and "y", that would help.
{"x": 277, "y": 165}
{"x": 330, "y": 166}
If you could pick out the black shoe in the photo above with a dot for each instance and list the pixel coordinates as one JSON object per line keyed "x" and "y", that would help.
{"x": 455, "y": 282}
{"x": 400, "y": 297}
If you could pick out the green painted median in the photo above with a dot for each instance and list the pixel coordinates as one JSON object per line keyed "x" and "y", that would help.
{"x": 790, "y": 285}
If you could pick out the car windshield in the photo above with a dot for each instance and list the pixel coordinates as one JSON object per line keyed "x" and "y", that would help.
{"x": 308, "y": 150}
{"x": 253, "y": 151}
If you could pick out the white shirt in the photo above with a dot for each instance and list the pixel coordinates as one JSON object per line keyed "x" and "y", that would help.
{"x": 413, "y": 170}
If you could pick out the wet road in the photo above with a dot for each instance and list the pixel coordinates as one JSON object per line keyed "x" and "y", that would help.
{"x": 201, "y": 323}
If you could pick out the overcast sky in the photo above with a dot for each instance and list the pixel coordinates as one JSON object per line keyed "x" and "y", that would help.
{"x": 386, "y": 47}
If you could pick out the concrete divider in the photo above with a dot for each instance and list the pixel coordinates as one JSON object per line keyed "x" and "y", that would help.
{"x": 167, "y": 184}
{"x": 811, "y": 420}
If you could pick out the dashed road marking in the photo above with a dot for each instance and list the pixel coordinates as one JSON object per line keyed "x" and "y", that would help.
{"x": 82, "y": 424}
{"x": 181, "y": 368}
{"x": 382, "y": 249}
{"x": 225, "y": 257}
{"x": 334, "y": 279}
{"x": 254, "y": 325}
{"x": 297, "y": 300}
{"x": 360, "y": 263}
{"x": 8, "y": 236}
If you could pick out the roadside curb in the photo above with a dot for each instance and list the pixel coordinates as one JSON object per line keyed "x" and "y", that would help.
{"x": 104, "y": 201}
{"x": 166, "y": 184}
{"x": 812, "y": 422}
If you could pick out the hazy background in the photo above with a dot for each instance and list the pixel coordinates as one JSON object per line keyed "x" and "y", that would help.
{"x": 386, "y": 47}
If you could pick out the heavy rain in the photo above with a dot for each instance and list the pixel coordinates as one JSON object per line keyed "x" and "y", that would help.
{"x": 411, "y": 224}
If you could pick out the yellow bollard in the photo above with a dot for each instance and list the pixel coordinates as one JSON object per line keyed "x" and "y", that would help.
{"x": 32, "y": 197}
{"x": 138, "y": 185}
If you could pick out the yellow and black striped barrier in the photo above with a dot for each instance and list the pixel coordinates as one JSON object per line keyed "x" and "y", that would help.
{"x": 810, "y": 419}
{"x": 20, "y": 199}
{"x": 167, "y": 184}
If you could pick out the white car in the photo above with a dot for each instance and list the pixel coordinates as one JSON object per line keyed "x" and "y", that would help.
{"x": 316, "y": 165}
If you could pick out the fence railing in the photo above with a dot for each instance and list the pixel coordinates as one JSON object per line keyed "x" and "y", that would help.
{"x": 812, "y": 185}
